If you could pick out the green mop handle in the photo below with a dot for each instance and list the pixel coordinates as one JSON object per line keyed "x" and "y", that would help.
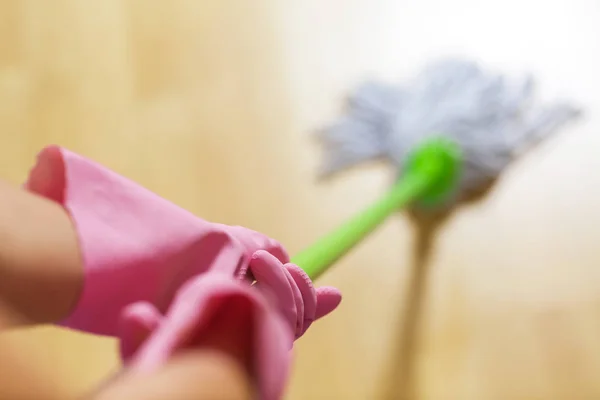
{"x": 430, "y": 174}
{"x": 317, "y": 258}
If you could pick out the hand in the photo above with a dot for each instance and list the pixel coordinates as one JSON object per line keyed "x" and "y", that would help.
{"x": 215, "y": 365}
{"x": 135, "y": 246}
{"x": 285, "y": 305}
{"x": 149, "y": 339}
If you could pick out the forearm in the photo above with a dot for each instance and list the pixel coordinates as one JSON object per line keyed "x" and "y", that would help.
{"x": 41, "y": 274}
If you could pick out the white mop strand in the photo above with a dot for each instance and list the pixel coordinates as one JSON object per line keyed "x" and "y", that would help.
{"x": 492, "y": 118}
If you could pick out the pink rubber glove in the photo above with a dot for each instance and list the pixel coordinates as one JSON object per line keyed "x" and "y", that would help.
{"x": 135, "y": 245}
{"x": 293, "y": 292}
{"x": 284, "y": 302}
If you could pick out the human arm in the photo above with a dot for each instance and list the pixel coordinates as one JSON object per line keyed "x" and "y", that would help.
{"x": 41, "y": 274}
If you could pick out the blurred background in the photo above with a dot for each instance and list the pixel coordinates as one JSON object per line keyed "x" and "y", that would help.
{"x": 212, "y": 104}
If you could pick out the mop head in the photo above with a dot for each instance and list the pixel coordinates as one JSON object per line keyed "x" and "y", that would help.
{"x": 491, "y": 118}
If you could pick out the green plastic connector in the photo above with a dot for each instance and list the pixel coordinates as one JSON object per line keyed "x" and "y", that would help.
{"x": 439, "y": 159}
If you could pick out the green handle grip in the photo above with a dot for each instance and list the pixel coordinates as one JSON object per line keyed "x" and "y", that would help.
{"x": 431, "y": 173}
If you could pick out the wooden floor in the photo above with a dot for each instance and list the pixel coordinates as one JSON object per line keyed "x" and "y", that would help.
{"x": 212, "y": 103}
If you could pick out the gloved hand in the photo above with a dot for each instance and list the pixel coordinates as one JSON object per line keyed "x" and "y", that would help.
{"x": 283, "y": 305}
{"x": 135, "y": 246}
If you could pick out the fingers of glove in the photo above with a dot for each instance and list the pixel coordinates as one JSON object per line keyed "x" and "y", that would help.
{"x": 328, "y": 299}
{"x": 136, "y": 324}
{"x": 308, "y": 293}
{"x": 298, "y": 301}
{"x": 271, "y": 277}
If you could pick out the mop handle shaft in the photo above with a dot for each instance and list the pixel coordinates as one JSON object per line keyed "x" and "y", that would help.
{"x": 317, "y": 258}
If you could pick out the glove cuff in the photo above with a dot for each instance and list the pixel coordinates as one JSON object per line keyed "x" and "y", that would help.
{"x": 135, "y": 245}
